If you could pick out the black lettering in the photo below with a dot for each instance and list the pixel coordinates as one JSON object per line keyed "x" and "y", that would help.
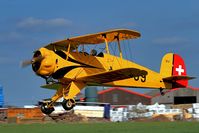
{"x": 139, "y": 75}
{"x": 143, "y": 79}
{"x": 136, "y": 78}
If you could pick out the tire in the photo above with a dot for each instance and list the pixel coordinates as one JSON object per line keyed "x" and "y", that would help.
{"x": 46, "y": 110}
{"x": 68, "y": 104}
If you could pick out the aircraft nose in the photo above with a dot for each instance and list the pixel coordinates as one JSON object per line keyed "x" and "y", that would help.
{"x": 36, "y": 61}
{"x": 43, "y": 62}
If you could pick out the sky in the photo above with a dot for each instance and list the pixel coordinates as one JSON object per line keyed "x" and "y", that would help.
{"x": 165, "y": 26}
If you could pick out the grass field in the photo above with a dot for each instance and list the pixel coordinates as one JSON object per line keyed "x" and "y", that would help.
{"x": 126, "y": 127}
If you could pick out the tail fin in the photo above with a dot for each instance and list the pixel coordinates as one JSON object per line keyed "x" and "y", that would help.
{"x": 173, "y": 70}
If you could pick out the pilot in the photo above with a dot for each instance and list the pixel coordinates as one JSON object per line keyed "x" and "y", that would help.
{"x": 93, "y": 52}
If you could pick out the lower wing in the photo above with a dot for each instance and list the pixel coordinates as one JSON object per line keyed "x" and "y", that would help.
{"x": 113, "y": 75}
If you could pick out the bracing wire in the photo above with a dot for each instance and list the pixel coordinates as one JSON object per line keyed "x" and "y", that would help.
{"x": 130, "y": 50}
{"x": 115, "y": 53}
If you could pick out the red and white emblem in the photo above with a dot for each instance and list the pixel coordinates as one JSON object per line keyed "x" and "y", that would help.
{"x": 180, "y": 70}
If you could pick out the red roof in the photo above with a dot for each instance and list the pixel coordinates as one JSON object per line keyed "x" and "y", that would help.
{"x": 125, "y": 90}
{"x": 195, "y": 89}
{"x": 188, "y": 87}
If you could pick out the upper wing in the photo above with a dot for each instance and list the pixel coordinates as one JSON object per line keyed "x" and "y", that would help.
{"x": 121, "y": 34}
{"x": 113, "y": 75}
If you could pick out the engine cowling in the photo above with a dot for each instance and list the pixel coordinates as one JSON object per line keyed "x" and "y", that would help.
{"x": 45, "y": 62}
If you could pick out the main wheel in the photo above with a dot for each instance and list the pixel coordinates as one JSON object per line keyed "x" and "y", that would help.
{"x": 46, "y": 110}
{"x": 68, "y": 104}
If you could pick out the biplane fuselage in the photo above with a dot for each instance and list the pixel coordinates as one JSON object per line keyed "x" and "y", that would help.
{"x": 72, "y": 70}
{"x": 81, "y": 67}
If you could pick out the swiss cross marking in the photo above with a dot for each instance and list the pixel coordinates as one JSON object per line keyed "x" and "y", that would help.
{"x": 180, "y": 70}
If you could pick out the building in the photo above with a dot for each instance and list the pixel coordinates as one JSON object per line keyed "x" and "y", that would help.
{"x": 121, "y": 96}
{"x": 176, "y": 96}
{"x": 1, "y": 96}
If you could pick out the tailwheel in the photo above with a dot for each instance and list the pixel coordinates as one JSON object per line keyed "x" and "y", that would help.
{"x": 45, "y": 109}
{"x": 68, "y": 104}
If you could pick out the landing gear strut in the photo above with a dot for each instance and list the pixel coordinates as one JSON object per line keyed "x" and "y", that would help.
{"x": 45, "y": 109}
{"x": 68, "y": 104}
{"x": 161, "y": 92}
{"x": 68, "y": 92}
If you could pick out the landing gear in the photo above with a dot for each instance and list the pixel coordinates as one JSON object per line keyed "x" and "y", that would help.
{"x": 45, "y": 109}
{"x": 161, "y": 92}
{"x": 68, "y": 92}
{"x": 68, "y": 104}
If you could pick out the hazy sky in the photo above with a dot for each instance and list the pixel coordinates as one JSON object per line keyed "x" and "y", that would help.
{"x": 166, "y": 26}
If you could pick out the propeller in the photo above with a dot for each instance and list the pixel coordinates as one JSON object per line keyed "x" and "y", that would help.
{"x": 32, "y": 61}
{"x": 26, "y": 63}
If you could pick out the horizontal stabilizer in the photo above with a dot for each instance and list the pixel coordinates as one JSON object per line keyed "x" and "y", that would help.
{"x": 176, "y": 78}
{"x": 53, "y": 86}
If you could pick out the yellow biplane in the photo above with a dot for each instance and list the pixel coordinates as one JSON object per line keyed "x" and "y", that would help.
{"x": 69, "y": 70}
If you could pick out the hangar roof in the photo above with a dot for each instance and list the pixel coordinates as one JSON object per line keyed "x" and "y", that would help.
{"x": 125, "y": 90}
{"x": 156, "y": 93}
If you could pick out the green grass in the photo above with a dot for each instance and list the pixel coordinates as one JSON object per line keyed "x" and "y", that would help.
{"x": 126, "y": 127}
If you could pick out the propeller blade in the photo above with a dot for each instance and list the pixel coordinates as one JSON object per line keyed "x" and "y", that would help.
{"x": 29, "y": 62}
{"x": 26, "y": 63}
{"x": 37, "y": 59}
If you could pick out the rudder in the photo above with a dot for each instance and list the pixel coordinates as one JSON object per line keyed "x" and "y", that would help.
{"x": 172, "y": 66}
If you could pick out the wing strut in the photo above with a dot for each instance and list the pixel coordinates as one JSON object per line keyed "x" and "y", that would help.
{"x": 68, "y": 51}
{"x": 118, "y": 42}
{"x": 106, "y": 41}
